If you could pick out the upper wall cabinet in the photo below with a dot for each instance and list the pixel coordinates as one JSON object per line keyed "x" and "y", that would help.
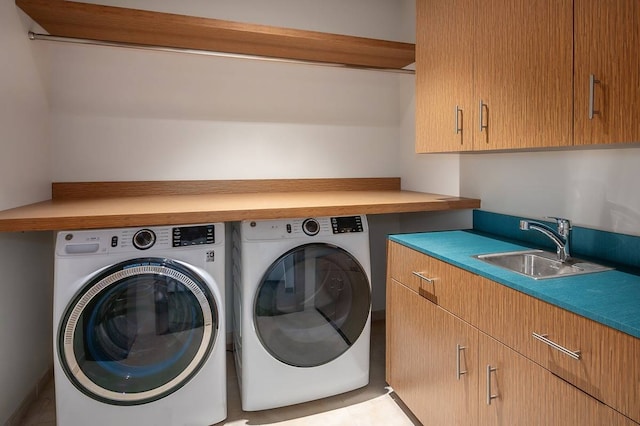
{"x": 140, "y": 27}
{"x": 493, "y": 75}
{"x": 523, "y": 65}
{"x": 607, "y": 71}
{"x": 444, "y": 70}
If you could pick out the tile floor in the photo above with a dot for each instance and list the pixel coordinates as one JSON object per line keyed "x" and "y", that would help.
{"x": 369, "y": 406}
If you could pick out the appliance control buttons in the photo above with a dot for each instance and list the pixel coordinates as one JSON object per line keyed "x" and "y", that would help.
{"x": 114, "y": 241}
{"x": 193, "y": 235}
{"x": 144, "y": 239}
{"x": 345, "y": 224}
{"x": 310, "y": 226}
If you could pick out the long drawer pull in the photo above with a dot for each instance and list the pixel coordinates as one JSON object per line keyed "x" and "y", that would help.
{"x": 482, "y": 118}
{"x": 490, "y": 395}
{"x": 459, "y": 370}
{"x": 458, "y": 128}
{"x": 554, "y": 345}
{"x": 422, "y": 277}
{"x": 592, "y": 95}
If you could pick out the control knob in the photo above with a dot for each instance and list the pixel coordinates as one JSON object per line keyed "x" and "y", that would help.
{"x": 310, "y": 226}
{"x": 144, "y": 239}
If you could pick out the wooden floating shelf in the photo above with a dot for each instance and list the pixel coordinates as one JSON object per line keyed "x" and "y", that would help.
{"x": 140, "y": 27}
{"x": 123, "y": 204}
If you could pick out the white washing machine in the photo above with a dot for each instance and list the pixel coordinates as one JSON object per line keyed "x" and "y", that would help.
{"x": 302, "y": 309}
{"x": 139, "y": 330}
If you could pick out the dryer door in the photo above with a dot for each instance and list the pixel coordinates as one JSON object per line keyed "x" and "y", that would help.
{"x": 138, "y": 331}
{"x": 312, "y": 305}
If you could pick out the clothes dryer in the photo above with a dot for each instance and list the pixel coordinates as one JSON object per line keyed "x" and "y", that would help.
{"x": 302, "y": 305}
{"x": 139, "y": 326}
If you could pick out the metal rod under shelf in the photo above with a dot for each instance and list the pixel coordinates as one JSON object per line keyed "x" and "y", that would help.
{"x": 48, "y": 37}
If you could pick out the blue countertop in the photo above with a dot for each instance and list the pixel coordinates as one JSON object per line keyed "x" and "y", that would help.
{"x": 609, "y": 297}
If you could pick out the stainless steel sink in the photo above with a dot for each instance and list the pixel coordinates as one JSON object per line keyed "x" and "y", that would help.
{"x": 539, "y": 264}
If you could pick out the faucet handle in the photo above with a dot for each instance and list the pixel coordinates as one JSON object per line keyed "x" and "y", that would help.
{"x": 564, "y": 225}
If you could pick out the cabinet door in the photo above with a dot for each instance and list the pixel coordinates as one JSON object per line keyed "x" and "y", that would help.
{"x": 524, "y": 393}
{"x": 444, "y": 90}
{"x": 607, "y": 47}
{"x": 426, "y": 349}
{"x": 523, "y": 70}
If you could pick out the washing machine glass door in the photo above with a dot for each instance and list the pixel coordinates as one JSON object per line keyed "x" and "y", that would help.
{"x": 312, "y": 305}
{"x": 138, "y": 331}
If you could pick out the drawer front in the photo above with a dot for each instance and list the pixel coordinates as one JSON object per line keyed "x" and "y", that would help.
{"x": 601, "y": 361}
{"x": 406, "y": 265}
{"x": 449, "y": 287}
{"x": 511, "y": 317}
{"x": 609, "y": 361}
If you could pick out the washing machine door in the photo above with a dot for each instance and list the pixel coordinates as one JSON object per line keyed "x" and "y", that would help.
{"x": 138, "y": 331}
{"x": 312, "y": 305}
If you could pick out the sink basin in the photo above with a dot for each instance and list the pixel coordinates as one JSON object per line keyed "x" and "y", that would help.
{"x": 539, "y": 264}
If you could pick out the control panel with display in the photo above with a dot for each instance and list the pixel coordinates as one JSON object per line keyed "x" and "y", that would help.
{"x": 344, "y": 224}
{"x": 193, "y": 235}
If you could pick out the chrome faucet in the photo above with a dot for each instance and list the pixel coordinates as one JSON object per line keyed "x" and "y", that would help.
{"x": 561, "y": 237}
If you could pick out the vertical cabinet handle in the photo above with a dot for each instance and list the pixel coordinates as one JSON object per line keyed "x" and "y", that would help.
{"x": 490, "y": 396}
{"x": 457, "y": 112}
{"x": 592, "y": 95}
{"x": 482, "y": 108}
{"x": 459, "y": 371}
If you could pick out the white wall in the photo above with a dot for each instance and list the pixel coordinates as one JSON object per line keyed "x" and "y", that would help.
{"x": 594, "y": 188}
{"x": 120, "y": 114}
{"x": 25, "y": 258}
{"x": 150, "y": 115}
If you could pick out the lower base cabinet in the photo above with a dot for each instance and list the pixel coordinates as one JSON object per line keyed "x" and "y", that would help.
{"x": 431, "y": 359}
{"x": 448, "y": 372}
{"x": 516, "y": 391}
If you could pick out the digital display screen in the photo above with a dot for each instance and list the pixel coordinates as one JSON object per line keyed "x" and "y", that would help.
{"x": 193, "y": 235}
{"x": 346, "y": 224}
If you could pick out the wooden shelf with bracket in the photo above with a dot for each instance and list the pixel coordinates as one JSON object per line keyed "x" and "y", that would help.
{"x": 87, "y": 21}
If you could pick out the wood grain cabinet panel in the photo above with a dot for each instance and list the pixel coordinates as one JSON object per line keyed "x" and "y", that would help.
{"x": 523, "y": 73}
{"x": 493, "y": 75}
{"x": 609, "y": 364}
{"x": 502, "y": 75}
{"x": 608, "y": 367}
{"x": 448, "y": 287}
{"x": 469, "y": 323}
{"x": 404, "y": 263}
{"x": 511, "y": 317}
{"x": 444, "y": 69}
{"x": 424, "y": 359}
{"x": 607, "y": 47}
{"x": 524, "y": 393}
